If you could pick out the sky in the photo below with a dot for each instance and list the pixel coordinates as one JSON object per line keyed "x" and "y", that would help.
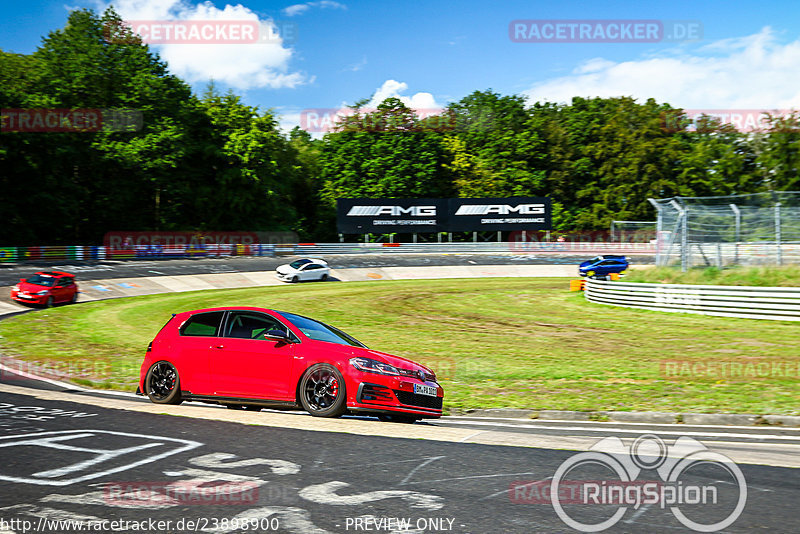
{"x": 325, "y": 54}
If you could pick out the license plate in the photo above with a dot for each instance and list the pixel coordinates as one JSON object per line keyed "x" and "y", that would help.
{"x": 421, "y": 389}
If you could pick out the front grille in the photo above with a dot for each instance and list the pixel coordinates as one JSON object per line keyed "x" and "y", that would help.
{"x": 370, "y": 392}
{"x": 423, "y": 401}
{"x": 421, "y": 375}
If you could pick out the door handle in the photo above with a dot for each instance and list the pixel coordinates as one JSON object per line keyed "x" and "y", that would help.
{"x": 218, "y": 347}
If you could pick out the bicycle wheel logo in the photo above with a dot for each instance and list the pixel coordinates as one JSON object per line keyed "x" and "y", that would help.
{"x": 667, "y": 490}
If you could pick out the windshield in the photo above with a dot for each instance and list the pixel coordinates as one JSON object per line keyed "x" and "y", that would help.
{"x": 40, "y": 280}
{"x": 320, "y": 331}
{"x": 298, "y": 263}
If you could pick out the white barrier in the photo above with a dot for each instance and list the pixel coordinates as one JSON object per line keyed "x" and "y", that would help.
{"x": 750, "y": 302}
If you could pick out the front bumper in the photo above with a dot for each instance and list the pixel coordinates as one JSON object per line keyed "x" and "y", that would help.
{"x": 397, "y": 397}
{"x": 27, "y": 298}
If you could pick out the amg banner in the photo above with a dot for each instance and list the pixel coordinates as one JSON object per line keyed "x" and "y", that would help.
{"x": 389, "y": 215}
{"x": 419, "y": 215}
{"x": 492, "y": 214}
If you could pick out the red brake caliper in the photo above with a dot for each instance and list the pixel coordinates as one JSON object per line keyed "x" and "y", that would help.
{"x": 333, "y": 387}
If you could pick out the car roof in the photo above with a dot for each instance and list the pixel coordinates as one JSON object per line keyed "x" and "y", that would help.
{"x": 54, "y": 273}
{"x": 227, "y": 308}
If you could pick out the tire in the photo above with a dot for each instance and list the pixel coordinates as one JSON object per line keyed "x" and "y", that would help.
{"x": 50, "y": 302}
{"x": 162, "y": 383}
{"x": 324, "y": 277}
{"x": 590, "y": 274}
{"x": 322, "y": 391}
{"x": 74, "y": 298}
{"x": 295, "y": 279}
{"x": 396, "y": 418}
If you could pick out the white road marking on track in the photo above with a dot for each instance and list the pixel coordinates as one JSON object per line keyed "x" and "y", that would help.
{"x": 677, "y": 432}
{"x": 326, "y": 494}
{"x": 420, "y": 466}
{"x": 215, "y": 460}
{"x": 50, "y": 440}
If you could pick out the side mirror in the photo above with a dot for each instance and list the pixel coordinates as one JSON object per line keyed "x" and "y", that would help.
{"x": 277, "y": 335}
{"x": 22, "y": 279}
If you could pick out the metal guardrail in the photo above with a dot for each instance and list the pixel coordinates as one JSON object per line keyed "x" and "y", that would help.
{"x": 14, "y": 254}
{"x": 749, "y": 302}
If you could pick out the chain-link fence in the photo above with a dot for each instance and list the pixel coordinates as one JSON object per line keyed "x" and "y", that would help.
{"x": 759, "y": 228}
{"x": 633, "y": 231}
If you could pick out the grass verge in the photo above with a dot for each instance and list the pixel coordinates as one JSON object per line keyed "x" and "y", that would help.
{"x": 786, "y": 276}
{"x": 521, "y": 343}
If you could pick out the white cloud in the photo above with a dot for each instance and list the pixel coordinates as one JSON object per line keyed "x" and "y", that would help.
{"x": 242, "y": 66}
{"x": 393, "y": 88}
{"x": 752, "y": 72}
{"x": 299, "y": 9}
{"x": 355, "y": 67}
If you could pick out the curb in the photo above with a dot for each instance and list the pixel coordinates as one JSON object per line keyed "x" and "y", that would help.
{"x": 659, "y": 418}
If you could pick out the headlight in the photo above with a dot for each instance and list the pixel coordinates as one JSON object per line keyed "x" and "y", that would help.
{"x": 15, "y": 288}
{"x": 374, "y": 366}
{"x": 44, "y": 292}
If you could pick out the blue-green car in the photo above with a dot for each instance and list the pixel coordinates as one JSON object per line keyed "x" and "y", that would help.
{"x": 603, "y": 266}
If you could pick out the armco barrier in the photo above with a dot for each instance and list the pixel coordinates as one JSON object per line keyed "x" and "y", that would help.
{"x": 750, "y": 302}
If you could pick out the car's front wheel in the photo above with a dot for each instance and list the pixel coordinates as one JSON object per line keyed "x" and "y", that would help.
{"x": 162, "y": 384}
{"x": 50, "y": 302}
{"x": 322, "y": 391}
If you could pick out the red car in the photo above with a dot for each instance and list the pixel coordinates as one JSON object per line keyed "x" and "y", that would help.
{"x": 253, "y": 357}
{"x": 46, "y": 288}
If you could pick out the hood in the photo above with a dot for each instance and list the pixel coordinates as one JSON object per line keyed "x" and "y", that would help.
{"x": 32, "y": 288}
{"x": 391, "y": 359}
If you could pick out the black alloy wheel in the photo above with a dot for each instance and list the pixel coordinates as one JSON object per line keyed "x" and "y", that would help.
{"x": 322, "y": 391}
{"x": 162, "y": 384}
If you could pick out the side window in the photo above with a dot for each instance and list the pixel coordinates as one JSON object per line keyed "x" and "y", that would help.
{"x": 202, "y": 324}
{"x": 250, "y": 325}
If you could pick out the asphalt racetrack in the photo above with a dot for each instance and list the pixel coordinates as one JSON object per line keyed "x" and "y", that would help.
{"x": 11, "y": 273}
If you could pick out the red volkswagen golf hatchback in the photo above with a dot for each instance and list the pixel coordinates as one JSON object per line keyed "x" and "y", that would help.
{"x": 253, "y": 357}
{"x": 46, "y": 288}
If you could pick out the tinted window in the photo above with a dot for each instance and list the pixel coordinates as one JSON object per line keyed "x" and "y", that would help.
{"x": 202, "y": 324}
{"x": 249, "y": 325}
{"x": 320, "y": 331}
{"x": 40, "y": 280}
{"x": 298, "y": 263}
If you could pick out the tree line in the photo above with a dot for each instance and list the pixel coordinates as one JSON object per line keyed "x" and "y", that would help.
{"x": 211, "y": 162}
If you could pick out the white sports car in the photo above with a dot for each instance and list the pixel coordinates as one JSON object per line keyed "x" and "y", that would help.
{"x": 303, "y": 269}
